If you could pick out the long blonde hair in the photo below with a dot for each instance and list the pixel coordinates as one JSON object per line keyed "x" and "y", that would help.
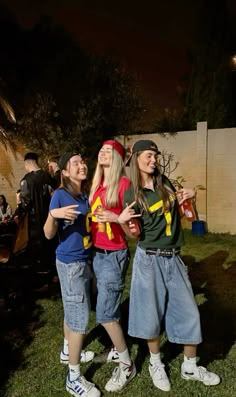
{"x": 159, "y": 185}
{"x": 116, "y": 172}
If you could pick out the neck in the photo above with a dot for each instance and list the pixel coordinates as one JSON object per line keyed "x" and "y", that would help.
{"x": 77, "y": 185}
{"x": 147, "y": 181}
{"x": 106, "y": 176}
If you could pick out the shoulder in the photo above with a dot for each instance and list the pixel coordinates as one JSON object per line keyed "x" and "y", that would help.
{"x": 167, "y": 182}
{"x": 124, "y": 182}
{"x": 129, "y": 194}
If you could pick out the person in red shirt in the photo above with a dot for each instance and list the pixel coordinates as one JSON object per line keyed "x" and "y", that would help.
{"x": 111, "y": 256}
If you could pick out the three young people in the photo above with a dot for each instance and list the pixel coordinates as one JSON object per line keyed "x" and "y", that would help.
{"x": 159, "y": 278}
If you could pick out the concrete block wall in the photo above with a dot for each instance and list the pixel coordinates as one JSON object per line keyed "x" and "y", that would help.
{"x": 11, "y": 171}
{"x": 206, "y": 157}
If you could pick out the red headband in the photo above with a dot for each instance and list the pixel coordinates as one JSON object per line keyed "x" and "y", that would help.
{"x": 117, "y": 146}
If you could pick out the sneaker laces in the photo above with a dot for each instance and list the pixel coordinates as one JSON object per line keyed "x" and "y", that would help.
{"x": 116, "y": 374}
{"x": 159, "y": 369}
{"x": 119, "y": 373}
{"x": 203, "y": 373}
{"x": 81, "y": 381}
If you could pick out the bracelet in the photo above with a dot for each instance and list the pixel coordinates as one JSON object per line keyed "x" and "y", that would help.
{"x": 53, "y": 217}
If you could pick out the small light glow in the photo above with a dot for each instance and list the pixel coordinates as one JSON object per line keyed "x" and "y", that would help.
{"x": 234, "y": 59}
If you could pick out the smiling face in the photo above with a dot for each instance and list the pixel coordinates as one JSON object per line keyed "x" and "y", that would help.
{"x": 105, "y": 155}
{"x": 76, "y": 169}
{"x": 147, "y": 162}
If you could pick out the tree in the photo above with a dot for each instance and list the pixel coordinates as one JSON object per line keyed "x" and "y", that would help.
{"x": 209, "y": 94}
{"x": 10, "y": 115}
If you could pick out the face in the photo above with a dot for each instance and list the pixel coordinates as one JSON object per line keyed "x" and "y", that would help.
{"x": 51, "y": 166}
{"x": 147, "y": 161}
{"x": 76, "y": 169}
{"x": 105, "y": 155}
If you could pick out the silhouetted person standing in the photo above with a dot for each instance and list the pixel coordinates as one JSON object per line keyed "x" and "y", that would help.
{"x": 54, "y": 169}
{"x": 36, "y": 188}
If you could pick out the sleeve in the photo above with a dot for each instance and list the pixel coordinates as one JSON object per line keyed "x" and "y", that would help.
{"x": 167, "y": 182}
{"x": 55, "y": 200}
{"x": 123, "y": 187}
{"x": 24, "y": 193}
{"x": 9, "y": 211}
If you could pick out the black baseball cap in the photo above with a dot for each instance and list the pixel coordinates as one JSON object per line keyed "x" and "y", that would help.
{"x": 65, "y": 158}
{"x": 140, "y": 146}
{"x": 31, "y": 156}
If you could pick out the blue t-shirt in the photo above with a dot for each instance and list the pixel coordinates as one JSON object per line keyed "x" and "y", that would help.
{"x": 74, "y": 239}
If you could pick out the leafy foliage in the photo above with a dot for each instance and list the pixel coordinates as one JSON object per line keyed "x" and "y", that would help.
{"x": 209, "y": 94}
{"x": 64, "y": 97}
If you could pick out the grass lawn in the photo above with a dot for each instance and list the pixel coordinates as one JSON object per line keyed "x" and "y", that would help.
{"x": 33, "y": 334}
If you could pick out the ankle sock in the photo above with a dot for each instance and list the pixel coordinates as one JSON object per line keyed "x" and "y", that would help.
{"x": 125, "y": 358}
{"x": 155, "y": 358}
{"x": 74, "y": 371}
{"x": 65, "y": 346}
{"x": 190, "y": 362}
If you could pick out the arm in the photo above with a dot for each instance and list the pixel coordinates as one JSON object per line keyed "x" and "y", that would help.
{"x": 9, "y": 211}
{"x": 51, "y": 225}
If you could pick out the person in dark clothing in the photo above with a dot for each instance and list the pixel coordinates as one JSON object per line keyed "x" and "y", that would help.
{"x": 54, "y": 169}
{"x": 36, "y": 188}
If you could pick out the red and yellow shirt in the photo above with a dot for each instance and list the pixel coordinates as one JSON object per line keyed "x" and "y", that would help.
{"x": 113, "y": 238}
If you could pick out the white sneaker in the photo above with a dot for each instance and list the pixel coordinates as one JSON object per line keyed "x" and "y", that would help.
{"x": 113, "y": 355}
{"x": 159, "y": 377}
{"x": 121, "y": 376}
{"x": 81, "y": 387}
{"x": 200, "y": 373}
{"x": 85, "y": 357}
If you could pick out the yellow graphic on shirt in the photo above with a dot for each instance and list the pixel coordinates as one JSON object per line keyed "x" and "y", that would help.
{"x": 87, "y": 242}
{"x": 159, "y": 204}
{"x": 94, "y": 207}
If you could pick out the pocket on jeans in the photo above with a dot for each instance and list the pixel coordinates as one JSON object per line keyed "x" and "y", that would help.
{"x": 114, "y": 293}
{"x": 78, "y": 298}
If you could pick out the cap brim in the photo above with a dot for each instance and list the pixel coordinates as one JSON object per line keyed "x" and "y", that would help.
{"x": 127, "y": 163}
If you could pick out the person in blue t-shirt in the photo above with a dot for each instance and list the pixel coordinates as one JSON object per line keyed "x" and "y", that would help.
{"x": 69, "y": 217}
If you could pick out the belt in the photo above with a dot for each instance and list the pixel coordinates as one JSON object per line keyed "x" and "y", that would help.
{"x": 102, "y": 251}
{"x": 163, "y": 252}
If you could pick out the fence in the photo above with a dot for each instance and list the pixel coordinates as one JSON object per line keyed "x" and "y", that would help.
{"x": 206, "y": 157}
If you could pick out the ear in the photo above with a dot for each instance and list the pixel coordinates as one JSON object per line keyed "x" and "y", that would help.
{"x": 65, "y": 173}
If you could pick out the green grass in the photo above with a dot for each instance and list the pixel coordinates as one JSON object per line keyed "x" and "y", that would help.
{"x": 212, "y": 268}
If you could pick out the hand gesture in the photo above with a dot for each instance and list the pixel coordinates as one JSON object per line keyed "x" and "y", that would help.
{"x": 128, "y": 213}
{"x": 67, "y": 212}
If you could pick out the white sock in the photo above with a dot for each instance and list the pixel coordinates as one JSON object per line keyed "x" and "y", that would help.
{"x": 155, "y": 358}
{"x": 125, "y": 358}
{"x": 74, "y": 371}
{"x": 65, "y": 346}
{"x": 190, "y": 362}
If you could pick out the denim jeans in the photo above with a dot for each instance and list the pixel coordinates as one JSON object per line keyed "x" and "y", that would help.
{"x": 110, "y": 270}
{"x": 75, "y": 289}
{"x": 161, "y": 290}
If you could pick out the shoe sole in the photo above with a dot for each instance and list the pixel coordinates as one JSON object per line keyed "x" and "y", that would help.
{"x": 120, "y": 390}
{"x": 185, "y": 377}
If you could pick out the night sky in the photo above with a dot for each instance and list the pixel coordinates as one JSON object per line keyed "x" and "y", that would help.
{"x": 150, "y": 38}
